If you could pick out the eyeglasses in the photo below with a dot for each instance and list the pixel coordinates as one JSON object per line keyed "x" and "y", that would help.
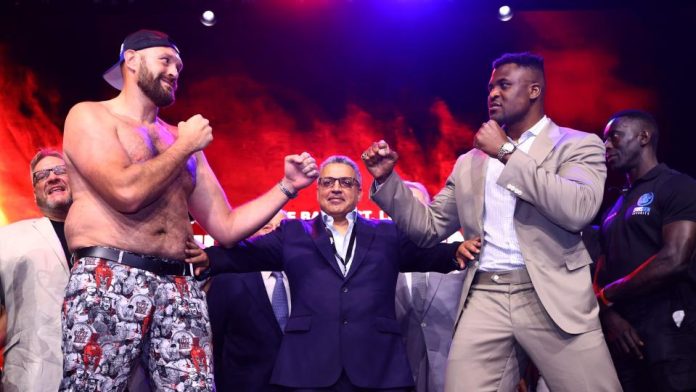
{"x": 41, "y": 175}
{"x": 344, "y": 182}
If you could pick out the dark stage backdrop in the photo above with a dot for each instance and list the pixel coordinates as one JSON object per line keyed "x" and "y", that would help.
{"x": 331, "y": 77}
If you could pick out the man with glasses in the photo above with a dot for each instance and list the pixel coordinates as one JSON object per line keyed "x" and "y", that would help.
{"x": 342, "y": 333}
{"x": 34, "y": 270}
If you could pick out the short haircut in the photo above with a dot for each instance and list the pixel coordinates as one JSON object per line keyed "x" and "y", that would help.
{"x": 644, "y": 120}
{"x": 524, "y": 59}
{"x": 346, "y": 161}
{"x": 420, "y": 188}
{"x": 41, "y": 154}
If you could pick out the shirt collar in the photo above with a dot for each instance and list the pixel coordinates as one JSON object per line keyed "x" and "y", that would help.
{"x": 652, "y": 173}
{"x": 534, "y": 130}
{"x": 329, "y": 220}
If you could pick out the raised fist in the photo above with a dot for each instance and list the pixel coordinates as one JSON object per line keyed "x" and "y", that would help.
{"x": 195, "y": 133}
{"x": 380, "y": 160}
{"x": 300, "y": 171}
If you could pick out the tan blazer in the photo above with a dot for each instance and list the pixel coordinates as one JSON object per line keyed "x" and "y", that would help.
{"x": 33, "y": 276}
{"x": 559, "y": 185}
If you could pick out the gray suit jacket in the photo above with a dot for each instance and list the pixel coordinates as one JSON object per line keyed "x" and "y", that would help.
{"x": 428, "y": 335}
{"x": 33, "y": 276}
{"x": 559, "y": 186}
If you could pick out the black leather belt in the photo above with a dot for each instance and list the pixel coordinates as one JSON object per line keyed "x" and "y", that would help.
{"x": 156, "y": 265}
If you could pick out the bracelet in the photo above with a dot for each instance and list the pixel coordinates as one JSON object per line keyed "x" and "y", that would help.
{"x": 286, "y": 192}
{"x": 604, "y": 299}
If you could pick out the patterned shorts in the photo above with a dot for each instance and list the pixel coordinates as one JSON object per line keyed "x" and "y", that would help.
{"x": 112, "y": 313}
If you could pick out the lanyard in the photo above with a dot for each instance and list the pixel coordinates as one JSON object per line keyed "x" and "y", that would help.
{"x": 349, "y": 253}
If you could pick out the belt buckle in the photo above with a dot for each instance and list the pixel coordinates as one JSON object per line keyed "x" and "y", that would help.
{"x": 190, "y": 267}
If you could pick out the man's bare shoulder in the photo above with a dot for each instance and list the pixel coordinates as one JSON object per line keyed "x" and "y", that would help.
{"x": 90, "y": 107}
{"x": 87, "y": 116}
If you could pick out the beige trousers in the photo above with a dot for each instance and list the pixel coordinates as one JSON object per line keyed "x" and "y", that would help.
{"x": 503, "y": 325}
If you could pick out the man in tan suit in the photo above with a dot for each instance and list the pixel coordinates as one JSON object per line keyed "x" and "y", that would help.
{"x": 33, "y": 274}
{"x": 527, "y": 190}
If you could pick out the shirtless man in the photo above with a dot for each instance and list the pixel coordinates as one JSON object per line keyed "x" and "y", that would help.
{"x": 135, "y": 179}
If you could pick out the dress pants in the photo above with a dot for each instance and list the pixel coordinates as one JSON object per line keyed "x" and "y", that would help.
{"x": 503, "y": 325}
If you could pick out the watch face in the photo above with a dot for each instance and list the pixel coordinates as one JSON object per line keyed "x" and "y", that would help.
{"x": 508, "y": 147}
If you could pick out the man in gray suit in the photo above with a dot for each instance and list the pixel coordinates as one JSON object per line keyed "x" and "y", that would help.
{"x": 426, "y": 308}
{"x": 527, "y": 190}
{"x": 33, "y": 273}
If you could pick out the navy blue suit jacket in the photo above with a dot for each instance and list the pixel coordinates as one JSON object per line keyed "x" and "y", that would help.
{"x": 338, "y": 323}
{"x": 246, "y": 335}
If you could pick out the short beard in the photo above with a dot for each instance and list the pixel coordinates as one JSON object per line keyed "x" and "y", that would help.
{"x": 55, "y": 207}
{"x": 152, "y": 88}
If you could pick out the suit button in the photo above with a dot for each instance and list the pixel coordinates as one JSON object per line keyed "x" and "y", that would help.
{"x": 496, "y": 277}
{"x": 345, "y": 289}
{"x": 345, "y": 322}
{"x": 424, "y": 324}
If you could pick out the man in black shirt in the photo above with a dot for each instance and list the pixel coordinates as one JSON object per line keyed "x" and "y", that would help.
{"x": 648, "y": 302}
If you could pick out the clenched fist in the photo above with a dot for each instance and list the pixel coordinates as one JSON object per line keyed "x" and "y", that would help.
{"x": 490, "y": 137}
{"x": 195, "y": 133}
{"x": 300, "y": 171}
{"x": 380, "y": 160}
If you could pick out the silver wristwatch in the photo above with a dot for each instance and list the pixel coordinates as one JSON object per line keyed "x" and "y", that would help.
{"x": 506, "y": 148}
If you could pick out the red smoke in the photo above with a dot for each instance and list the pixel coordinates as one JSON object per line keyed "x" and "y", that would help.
{"x": 254, "y": 130}
{"x": 24, "y": 127}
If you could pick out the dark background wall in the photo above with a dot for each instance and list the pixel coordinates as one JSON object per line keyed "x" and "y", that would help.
{"x": 279, "y": 77}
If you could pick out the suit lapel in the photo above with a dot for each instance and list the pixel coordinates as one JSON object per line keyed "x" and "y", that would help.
{"x": 479, "y": 165}
{"x": 45, "y": 229}
{"x": 363, "y": 241}
{"x": 320, "y": 236}
{"x": 544, "y": 142}
{"x": 256, "y": 287}
{"x": 434, "y": 281}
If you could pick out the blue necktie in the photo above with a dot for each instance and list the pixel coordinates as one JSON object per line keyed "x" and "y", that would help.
{"x": 279, "y": 300}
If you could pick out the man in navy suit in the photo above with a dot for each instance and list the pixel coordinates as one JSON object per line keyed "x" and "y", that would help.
{"x": 342, "y": 334}
{"x": 246, "y": 334}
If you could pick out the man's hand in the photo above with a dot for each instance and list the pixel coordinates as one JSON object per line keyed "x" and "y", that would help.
{"x": 468, "y": 250}
{"x": 490, "y": 137}
{"x": 620, "y": 334}
{"x": 195, "y": 133}
{"x": 380, "y": 160}
{"x": 300, "y": 171}
{"x": 196, "y": 255}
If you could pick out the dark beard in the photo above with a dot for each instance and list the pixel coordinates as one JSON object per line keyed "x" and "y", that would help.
{"x": 152, "y": 88}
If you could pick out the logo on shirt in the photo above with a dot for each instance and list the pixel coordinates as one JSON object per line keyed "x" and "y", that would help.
{"x": 642, "y": 205}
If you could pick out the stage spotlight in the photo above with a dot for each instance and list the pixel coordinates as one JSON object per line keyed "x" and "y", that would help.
{"x": 208, "y": 18}
{"x": 505, "y": 13}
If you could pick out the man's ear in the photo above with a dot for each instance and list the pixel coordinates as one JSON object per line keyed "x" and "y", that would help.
{"x": 131, "y": 60}
{"x": 644, "y": 137}
{"x": 534, "y": 90}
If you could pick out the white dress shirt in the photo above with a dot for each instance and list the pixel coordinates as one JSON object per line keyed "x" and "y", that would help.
{"x": 500, "y": 250}
{"x": 341, "y": 241}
